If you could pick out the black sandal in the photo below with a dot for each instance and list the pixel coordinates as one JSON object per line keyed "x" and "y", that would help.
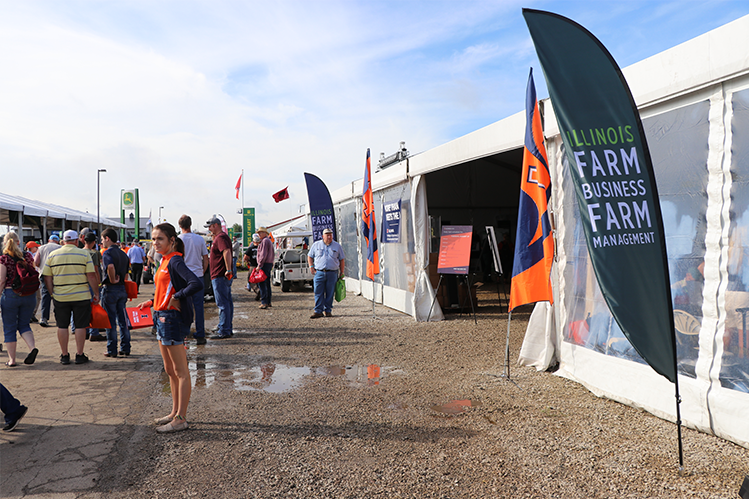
{"x": 31, "y": 357}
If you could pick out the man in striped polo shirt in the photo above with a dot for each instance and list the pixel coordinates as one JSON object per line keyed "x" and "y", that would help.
{"x": 70, "y": 277}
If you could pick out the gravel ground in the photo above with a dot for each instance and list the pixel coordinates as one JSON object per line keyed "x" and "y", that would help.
{"x": 286, "y": 409}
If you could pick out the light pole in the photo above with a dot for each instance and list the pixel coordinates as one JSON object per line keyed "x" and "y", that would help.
{"x": 98, "y": 183}
{"x": 160, "y": 208}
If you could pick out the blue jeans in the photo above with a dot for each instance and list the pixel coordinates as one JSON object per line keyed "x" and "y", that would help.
{"x": 17, "y": 311}
{"x": 46, "y": 301}
{"x": 234, "y": 266}
{"x": 170, "y": 330}
{"x": 197, "y": 307}
{"x": 222, "y": 292}
{"x": 324, "y": 283}
{"x": 9, "y": 405}
{"x": 114, "y": 300}
{"x": 265, "y": 293}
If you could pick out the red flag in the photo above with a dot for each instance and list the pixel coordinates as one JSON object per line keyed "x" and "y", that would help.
{"x": 368, "y": 225}
{"x": 534, "y": 246}
{"x": 281, "y": 195}
{"x": 239, "y": 184}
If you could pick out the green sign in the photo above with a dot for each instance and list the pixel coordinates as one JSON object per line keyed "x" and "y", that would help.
{"x": 248, "y": 225}
{"x": 128, "y": 199}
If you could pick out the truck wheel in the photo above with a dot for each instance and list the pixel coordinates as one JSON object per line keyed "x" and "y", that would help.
{"x": 285, "y": 285}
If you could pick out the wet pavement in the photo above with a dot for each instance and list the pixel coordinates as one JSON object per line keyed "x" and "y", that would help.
{"x": 346, "y": 407}
{"x": 78, "y": 414}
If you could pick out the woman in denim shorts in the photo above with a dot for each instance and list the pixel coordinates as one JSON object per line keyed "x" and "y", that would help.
{"x": 174, "y": 283}
{"x": 16, "y": 310}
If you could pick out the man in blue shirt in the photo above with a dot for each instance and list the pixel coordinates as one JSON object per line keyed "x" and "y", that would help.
{"x": 326, "y": 259}
{"x": 137, "y": 256}
{"x": 114, "y": 299}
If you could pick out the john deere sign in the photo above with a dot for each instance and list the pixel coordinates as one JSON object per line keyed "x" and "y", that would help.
{"x": 129, "y": 201}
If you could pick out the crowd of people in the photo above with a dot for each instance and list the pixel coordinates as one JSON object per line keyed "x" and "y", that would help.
{"x": 79, "y": 270}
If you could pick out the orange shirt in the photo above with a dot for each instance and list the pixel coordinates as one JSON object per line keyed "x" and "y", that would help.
{"x": 163, "y": 284}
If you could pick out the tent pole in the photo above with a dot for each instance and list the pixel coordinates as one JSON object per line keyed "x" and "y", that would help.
{"x": 507, "y": 346}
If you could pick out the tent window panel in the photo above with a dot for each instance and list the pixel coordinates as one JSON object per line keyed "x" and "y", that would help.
{"x": 678, "y": 142}
{"x": 590, "y": 323}
{"x": 396, "y": 259}
{"x": 734, "y": 372}
{"x": 348, "y": 219}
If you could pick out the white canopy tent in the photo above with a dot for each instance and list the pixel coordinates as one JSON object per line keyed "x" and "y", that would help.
{"x": 694, "y": 101}
{"x": 19, "y": 213}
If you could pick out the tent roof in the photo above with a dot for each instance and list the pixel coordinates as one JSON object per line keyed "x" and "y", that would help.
{"x": 690, "y": 66}
{"x": 36, "y": 208}
{"x": 282, "y": 228}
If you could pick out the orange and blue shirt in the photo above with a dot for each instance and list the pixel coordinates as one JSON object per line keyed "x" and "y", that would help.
{"x": 163, "y": 284}
{"x": 174, "y": 280}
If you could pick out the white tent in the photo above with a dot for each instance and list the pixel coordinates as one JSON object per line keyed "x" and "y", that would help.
{"x": 694, "y": 101}
{"x": 43, "y": 217}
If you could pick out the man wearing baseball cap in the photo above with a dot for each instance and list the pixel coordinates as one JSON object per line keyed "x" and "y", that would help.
{"x": 40, "y": 258}
{"x": 326, "y": 259}
{"x": 71, "y": 279}
{"x": 220, "y": 260}
{"x": 265, "y": 255}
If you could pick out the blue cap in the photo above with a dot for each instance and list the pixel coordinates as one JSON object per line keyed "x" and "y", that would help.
{"x": 55, "y": 237}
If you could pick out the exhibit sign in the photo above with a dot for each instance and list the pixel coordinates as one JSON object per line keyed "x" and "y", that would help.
{"x": 391, "y": 222}
{"x": 455, "y": 249}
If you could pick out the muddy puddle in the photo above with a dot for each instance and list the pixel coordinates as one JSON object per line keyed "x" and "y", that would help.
{"x": 275, "y": 378}
{"x": 455, "y": 407}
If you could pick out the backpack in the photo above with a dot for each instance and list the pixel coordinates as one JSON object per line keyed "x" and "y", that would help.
{"x": 26, "y": 281}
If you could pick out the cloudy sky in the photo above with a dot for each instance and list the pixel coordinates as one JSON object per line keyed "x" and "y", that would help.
{"x": 176, "y": 98}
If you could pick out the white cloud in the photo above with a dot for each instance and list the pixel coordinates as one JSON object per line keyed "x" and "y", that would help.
{"x": 176, "y": 98}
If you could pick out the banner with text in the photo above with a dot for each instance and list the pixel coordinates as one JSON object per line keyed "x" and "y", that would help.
{"x": 391, "y": 222}
{"x": 614, "y": 182}
{"x": 248, "y": 226}
{"x": 320, "y": 207}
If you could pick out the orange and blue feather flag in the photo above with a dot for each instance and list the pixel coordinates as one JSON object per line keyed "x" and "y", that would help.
{"x": 534, "y": 244}
{"x": 368, "y": 223}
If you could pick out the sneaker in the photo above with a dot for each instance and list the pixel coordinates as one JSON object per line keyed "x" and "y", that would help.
{"x": 65, "y": 359}
{"x": 43, "y": 323}
{"x": 12, "y": 425}
{"x": 80, "y": 359}
{"x": 200, "y": 341}
{"x": 220, "y": 336}
{"x": 34, "y": 320}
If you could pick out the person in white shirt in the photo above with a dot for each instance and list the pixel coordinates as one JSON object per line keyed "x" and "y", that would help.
{"x": 196, "y": 259}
